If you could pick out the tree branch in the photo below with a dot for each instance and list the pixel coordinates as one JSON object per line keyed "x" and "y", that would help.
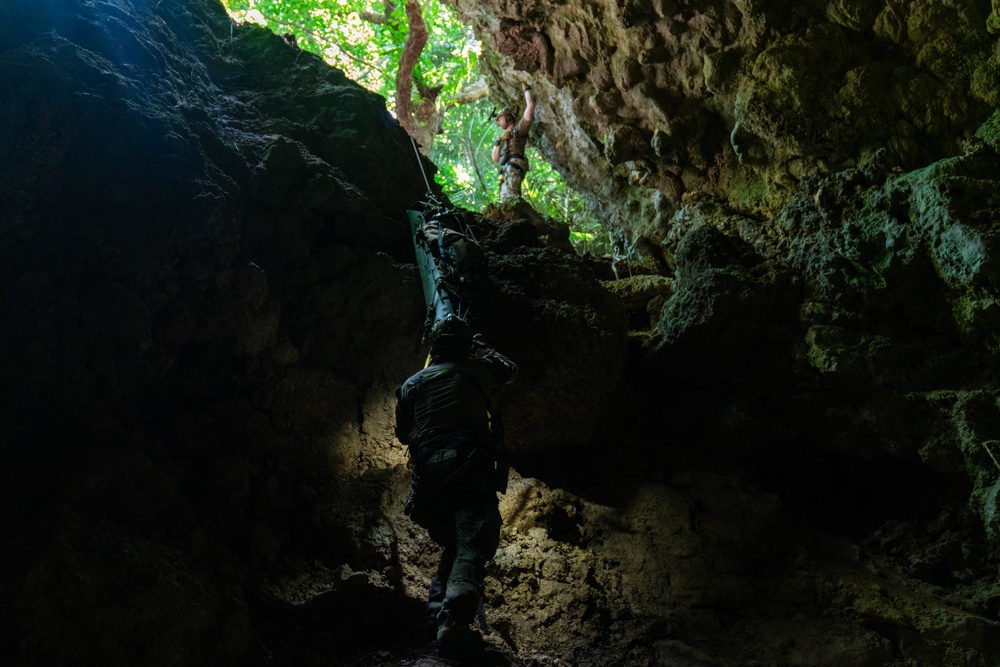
{"x": 476, "y": 90}
{"x": 470, "y": 156}
{"x": 416, "y": 39}
{"x": 373, "y": 17}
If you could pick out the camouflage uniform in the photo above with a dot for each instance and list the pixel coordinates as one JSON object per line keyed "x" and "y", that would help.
{"x": 508, "y": 151}
{"x": 442, "y": 413}
{"x": 513, "y": 165}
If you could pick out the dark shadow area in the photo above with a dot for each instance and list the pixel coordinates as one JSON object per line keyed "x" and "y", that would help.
{"x": 851, "y": 495}
{"x": 606, "y": 475}
{"x": 317, "y": 631}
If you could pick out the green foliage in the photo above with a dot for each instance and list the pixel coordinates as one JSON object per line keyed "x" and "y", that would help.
{"x": 545, "y": 189}
{"x": 365, "y": 39}
{"x": 468, "y": 174}
{"x": 465, "y": 167}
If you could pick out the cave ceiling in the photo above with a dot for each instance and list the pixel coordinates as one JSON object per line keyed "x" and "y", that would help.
{"x": 648, "y": 104}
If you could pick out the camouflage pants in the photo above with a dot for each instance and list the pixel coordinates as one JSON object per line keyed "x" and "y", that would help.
{"x": 513, "y": 175}
{"x": 470, "y": 539}
{"x": 465, "y": 520}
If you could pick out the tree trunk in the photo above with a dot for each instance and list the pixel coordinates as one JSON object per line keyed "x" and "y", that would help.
{"x": 421, "y": 123}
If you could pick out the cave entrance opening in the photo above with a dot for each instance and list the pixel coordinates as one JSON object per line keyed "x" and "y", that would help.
{"x": 449, "y": 111}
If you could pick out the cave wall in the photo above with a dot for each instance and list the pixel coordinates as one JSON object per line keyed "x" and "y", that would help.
{"x": 646, "y": 104}
{"x": 169, "y": 206}
{"x": 820, "y": 179}
{"x": 781, "y": 451}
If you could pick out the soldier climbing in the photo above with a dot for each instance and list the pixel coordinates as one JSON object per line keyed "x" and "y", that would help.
{"x": 508, "y": 151}
{"x": 446, "y": 415}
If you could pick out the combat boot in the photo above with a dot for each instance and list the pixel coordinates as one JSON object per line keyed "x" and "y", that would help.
{"x": 457, "y": 641}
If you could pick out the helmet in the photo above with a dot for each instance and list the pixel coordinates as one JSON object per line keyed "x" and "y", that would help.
{"x": 451, "y": 336}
